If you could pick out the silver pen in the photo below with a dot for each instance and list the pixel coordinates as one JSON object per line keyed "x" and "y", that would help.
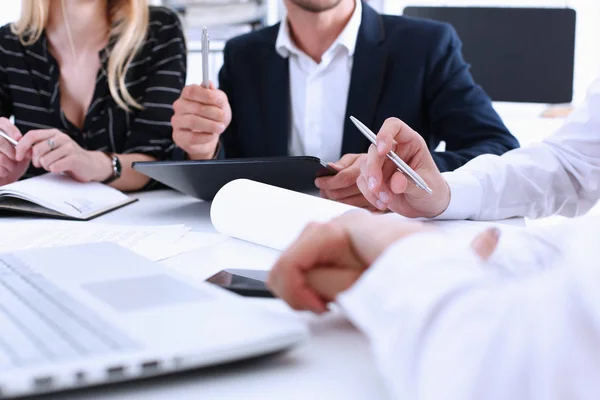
{"x": 205, "y": 55}
{"x": 10, "y": 140}
{"x": 402, "y": 166}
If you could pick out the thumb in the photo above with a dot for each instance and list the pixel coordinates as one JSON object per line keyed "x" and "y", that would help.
{"x": 486, "y": 242}
{"x": 338, "y": 166}
{"x": 344, "y": 162}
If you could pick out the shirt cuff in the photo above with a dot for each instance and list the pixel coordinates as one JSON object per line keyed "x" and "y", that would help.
{"x": 466, "y": 195}
{"x": 407, "y": 273}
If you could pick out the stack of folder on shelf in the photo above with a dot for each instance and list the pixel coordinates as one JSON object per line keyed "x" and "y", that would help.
{"x": 224, "y": 18}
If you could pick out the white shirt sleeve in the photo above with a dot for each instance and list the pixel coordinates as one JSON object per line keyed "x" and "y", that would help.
{"x": 560, "y": 175}
{"x": 443, "y": 325}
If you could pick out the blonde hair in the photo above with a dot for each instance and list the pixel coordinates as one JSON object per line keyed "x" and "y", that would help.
{"x": 128, "y": 19}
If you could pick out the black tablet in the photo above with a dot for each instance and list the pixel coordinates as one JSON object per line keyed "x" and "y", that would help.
{"x": 203, "y": 179}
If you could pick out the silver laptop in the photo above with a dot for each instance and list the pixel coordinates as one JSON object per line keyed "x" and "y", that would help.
{"x": 86, "y": 315}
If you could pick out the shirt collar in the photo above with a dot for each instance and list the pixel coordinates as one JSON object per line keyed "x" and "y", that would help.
{"x": 286, "y": 46}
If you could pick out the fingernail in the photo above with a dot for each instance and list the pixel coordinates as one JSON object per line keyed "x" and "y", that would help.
{"x": 381, "y": 147}
{"x": 495, "y": 232}
{"x": 372, "y": 183}
{"x": 380, "y": 205}
{"x": 384, "y": 196}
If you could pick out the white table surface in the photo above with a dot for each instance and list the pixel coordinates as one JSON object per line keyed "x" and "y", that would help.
{"x": 334, "y": 364}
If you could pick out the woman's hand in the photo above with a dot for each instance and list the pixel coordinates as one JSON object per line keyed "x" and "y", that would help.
{"x": 11, "y": 170}
{"x": 56, "y": 152}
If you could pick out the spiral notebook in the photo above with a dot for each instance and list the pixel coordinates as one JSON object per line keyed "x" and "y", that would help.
{"x": 59, "y": 196}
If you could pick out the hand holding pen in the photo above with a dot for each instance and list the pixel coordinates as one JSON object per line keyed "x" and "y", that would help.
{"x": 202, "y": 113}
{"x": 11, "y": 170}
{"x": 400, "y": 174}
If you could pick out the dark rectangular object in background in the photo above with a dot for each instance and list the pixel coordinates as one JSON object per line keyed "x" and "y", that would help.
{"x": 516, "y": 54}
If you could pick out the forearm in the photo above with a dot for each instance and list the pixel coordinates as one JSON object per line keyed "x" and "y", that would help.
{"x": 442, "y": 323}
{"x": 532, "y": 182}
{"x": 558, "y": 176}
{"x": 130, "y": 180}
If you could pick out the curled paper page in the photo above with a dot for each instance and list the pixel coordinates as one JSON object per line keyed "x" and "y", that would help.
{"x": 268, "y": 215}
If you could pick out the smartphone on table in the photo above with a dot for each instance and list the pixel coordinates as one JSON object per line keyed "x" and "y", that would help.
{"x": 249, "y": 283}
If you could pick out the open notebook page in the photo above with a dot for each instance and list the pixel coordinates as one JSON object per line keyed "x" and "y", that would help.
{"x": 268, "y": 215}
{"x": 63, "y": 194}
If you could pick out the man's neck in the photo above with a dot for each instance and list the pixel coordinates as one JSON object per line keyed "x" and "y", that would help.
{"x": 314, "y": 33}
{"x": 87, "y": 20}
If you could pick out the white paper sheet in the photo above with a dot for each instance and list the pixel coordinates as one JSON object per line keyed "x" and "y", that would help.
{"x": 274, "y": 217}
{"x": 191, "y": 241}
{"x": 267, "y": 215}
{"x": 153, "y": 242}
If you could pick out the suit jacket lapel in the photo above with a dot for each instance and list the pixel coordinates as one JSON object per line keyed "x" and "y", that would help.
{"x": 275, "y": 100}
{"x": 367, "y": 80}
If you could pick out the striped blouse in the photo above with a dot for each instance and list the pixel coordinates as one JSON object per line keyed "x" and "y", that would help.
{"x": 29, "y": 91}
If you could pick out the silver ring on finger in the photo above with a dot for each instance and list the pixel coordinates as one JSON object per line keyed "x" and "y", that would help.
{"x": 51, "y": 144}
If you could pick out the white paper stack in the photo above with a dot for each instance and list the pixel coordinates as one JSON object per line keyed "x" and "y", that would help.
{"x": 153, "y": 242}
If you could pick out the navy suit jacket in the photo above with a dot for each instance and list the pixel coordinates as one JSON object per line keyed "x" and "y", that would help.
{"x": 403, "y": 67}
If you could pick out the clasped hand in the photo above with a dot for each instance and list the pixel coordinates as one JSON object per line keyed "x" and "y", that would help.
{"x": 51, "y": 150}
{"x": 327, "y": 259}
{"x": 58, "y": 153}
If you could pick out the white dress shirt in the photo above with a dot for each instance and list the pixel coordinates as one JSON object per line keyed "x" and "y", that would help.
{"x": 445, "y": 325}
{"x": 560, "y": 175}
{"x": 526, "y": 323}
{"x": 319, "y": 92}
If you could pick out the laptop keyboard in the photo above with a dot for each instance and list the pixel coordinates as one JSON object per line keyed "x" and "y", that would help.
{"x": 40, "y": 323}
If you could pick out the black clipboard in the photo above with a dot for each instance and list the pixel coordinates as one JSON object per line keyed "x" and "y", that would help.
{"x": 203, "y": 179}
